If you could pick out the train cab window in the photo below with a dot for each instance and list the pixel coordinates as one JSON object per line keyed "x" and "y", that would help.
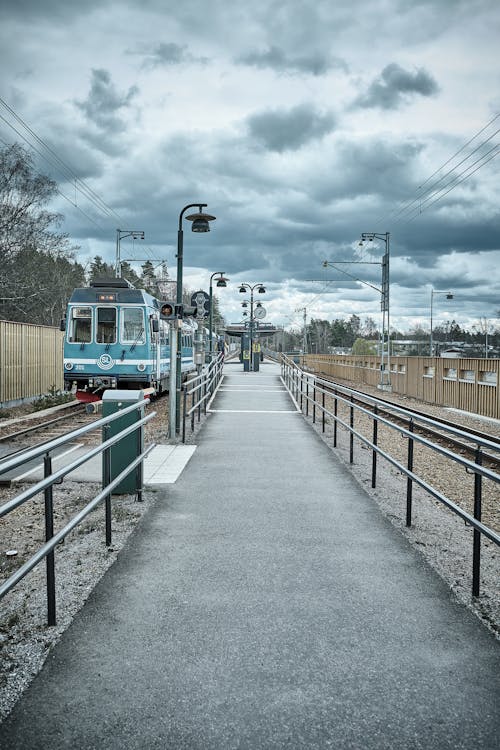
{"x": 106, "y": 325}
{"x": 80, "y": 325}
{"x": 132, "y": 326}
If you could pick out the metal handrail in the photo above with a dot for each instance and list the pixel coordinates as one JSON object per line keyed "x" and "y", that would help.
{"x": 201, "y": 388}
{"x": 40, "y": 450}
{"x": 299, "y": 385}
{"x": 46, "y": 485}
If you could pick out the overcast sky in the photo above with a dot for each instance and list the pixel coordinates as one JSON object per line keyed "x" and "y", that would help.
{"x": 301, "y": 124}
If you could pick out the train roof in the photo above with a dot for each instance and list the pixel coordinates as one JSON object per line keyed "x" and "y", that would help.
{"x": 112, "y": 290}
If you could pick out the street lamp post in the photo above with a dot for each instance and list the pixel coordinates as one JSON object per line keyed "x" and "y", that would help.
{"x": 120, "y": 234}
{"x": 260, "y": 290}
{"x": 200, "y": 223}
{"x": 449, "y": 295}
{"x": 221, "y": 282}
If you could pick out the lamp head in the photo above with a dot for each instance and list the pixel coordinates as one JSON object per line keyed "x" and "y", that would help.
{"x": 222, "y": 281}
{"x": 242, "y": 289}
{"x": 200, "y": 222}
{"x": 449, "y": 295}
{"x": 261, "y": 290}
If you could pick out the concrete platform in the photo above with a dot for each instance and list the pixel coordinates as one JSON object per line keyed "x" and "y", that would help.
{"x": 264, "y": 602}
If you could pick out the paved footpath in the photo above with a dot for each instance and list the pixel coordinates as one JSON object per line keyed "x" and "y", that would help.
{"x": 264, "y": 602}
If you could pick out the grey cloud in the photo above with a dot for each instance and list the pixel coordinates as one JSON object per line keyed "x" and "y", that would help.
{"x": 170, "y": 53}
{"x": 289, "y": 130}
{"x": 277, "y": 59}
{"x": 29, "y": 9}
{"x": 395, "y": 86}
{"x": 104, "y": 102}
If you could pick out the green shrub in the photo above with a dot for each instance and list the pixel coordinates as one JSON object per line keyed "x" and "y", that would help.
{"x": 53, "y": 398}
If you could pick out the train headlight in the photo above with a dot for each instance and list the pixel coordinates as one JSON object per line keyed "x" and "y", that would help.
{"x": 68, "y": 365}
{"x": 141, "y": 367}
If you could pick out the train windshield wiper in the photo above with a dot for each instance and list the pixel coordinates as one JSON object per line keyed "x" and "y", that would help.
{"x": 139, "y": 335}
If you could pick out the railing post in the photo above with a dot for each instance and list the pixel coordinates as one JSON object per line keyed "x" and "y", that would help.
{"x": 476, "y": 552}
{"x": 351, "y": 436}
{"x": 409, "y": 480}
{"x": 193, "y": 411}
{"x": 323, "y": 420}
{"x": 139, "y": 476}
{"x": 49, "y": 533}
{"x": 335, "y": 413}
{"x": 184, "y": 412}
{"x": 314, "y": 401}
{"x": 307, "y": 396}
{"x": 205, "y": 391}
{"x": 199, "y": 397}
{"x": 374, "y": 450}
{"x": 106, "y": 479}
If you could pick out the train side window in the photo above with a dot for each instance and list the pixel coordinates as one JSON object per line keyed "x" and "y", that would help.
{"x": 106, "y": 325}
{"x": 132, "y": 326}
{"x": 80, "y": 325}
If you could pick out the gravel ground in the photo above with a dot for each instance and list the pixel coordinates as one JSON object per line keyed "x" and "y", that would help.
{"x": 82, "y": 559}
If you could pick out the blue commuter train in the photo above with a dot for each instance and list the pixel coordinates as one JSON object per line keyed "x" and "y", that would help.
{"x": 115, "y": 337}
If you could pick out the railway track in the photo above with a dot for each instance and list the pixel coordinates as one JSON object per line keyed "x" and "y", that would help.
{"x": 41, "y": 427}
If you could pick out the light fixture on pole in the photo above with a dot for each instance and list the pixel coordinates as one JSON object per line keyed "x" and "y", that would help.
{"x": 120, "y": 234}
{"x": 200, "y": 223}
{"x": 260, "y": 290}
{"x": 449, "y": 295}
{"x": 221, "y": 283}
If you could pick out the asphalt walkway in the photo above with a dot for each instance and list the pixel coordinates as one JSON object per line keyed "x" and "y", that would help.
{"x": 264, "y": 602}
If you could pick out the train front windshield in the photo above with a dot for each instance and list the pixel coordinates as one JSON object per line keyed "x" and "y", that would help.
{"x": 132, "y": 326}
{"x": 105, "y": 320}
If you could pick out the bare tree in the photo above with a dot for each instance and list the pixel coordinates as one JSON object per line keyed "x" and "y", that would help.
{"x": 37, "y": 268}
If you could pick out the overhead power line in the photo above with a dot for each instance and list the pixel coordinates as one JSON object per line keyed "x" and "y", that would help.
{"x": 19, "y": 126}
{"x": 439, "y": 184}
{"x": 50, "y": 156}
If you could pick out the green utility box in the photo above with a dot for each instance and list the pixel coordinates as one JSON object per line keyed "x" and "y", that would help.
{"x": 129, "y": 447}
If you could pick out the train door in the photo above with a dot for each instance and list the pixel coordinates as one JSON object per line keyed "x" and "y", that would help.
{"x": 155, "y": 337}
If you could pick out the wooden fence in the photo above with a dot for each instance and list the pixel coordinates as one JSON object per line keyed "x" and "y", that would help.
{"x": 31, "y": 361}
{"x": 468, "y": 384}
